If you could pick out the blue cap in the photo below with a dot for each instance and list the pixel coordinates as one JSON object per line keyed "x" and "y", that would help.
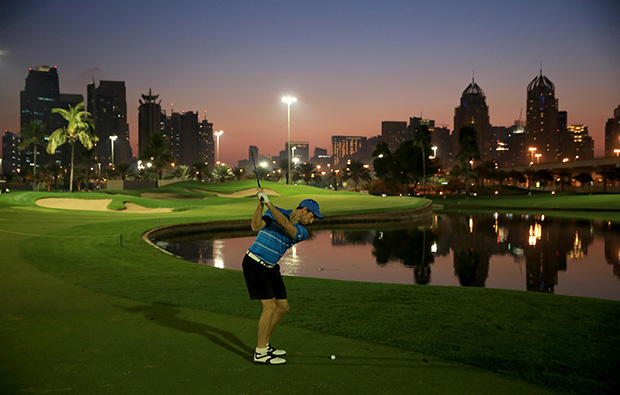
{"x": 312, "y": 206}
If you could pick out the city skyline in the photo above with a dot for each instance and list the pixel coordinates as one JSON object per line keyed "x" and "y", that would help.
{"x": 351, "y": 65}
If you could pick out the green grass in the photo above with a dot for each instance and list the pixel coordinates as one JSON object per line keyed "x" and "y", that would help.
{"x": 80, "y": 313}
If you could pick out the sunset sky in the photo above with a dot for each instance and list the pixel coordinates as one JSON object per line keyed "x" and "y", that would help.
{"x": 351, "y": 64}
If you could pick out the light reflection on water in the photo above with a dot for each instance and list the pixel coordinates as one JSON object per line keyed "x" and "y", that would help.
{"x": 520, "y": 252}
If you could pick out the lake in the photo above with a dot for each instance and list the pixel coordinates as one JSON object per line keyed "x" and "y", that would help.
{"x": 519, "y": 252}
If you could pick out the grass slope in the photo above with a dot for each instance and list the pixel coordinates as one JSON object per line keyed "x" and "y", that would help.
{"x": 81, "y": 313}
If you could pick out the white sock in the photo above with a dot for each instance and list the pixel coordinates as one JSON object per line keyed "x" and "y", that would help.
{"x": 261, "y": 350}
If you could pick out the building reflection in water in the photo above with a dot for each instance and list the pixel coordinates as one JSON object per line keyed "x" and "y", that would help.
{"x": 542, "y": 247}
{"x": 543, "y": 244}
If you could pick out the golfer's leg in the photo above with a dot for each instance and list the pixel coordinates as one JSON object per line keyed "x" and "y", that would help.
{"x": 282, "y": 308}
{"x": 264, "y": 323}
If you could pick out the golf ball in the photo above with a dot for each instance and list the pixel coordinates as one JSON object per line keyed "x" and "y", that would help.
{"x": 333, "y": 357}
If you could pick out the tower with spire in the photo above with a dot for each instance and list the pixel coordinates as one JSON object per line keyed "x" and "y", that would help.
{"x": 541, "y": 128}
{"x": 474, "y": 111}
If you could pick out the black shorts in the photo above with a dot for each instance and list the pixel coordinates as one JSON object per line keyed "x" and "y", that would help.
{"x": 263, "y": 282}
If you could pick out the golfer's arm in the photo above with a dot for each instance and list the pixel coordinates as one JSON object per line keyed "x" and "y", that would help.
{"x": 282, "y": 220}
{"x": 257, "y": 218}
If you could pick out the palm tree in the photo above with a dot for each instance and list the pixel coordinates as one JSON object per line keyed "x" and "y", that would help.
{"x": 261, "y": 172}
{"x": 124, "y": 170}
{"x": 283, "y": 166}
{"x": 182, "y": 172}
{"x": 468, "y": 151}
{"x": 222, "y": 173}
{"x": 237, "y": 172}
{"x": 200, "y": 169}
{"x": 159, "y": 152}
{"x": 422, "y": 139}
{"x": 52, "y": 171}
{"x": 564, "y": 177}
{"x": 307, "y": 172}
{"x": 79, "y": 128}
{"x": 33, "y": 133}
{"x": 87, "y": 158}
{"x": 356, "y": 172}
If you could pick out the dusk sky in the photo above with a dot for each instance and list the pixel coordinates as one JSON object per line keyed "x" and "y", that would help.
{"x": 351, "y": 64}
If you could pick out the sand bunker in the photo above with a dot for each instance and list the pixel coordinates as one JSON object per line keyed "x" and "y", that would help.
{"x": 238, "y": 194}
{"x": 95, "y": 205}
{"x": 152, "y": 195}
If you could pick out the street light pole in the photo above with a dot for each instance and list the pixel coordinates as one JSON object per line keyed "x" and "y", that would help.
{"x": 112, "y": 140}
{"x": 217, "y": 146}
{"x": 289, "y": 100}
{"x": 532, "y": 150}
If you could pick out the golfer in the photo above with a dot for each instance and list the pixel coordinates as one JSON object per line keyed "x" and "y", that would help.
{"x": 278, "y": 230}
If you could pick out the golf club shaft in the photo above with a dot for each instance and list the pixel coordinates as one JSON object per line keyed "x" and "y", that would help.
{"x": 255, "y": 172}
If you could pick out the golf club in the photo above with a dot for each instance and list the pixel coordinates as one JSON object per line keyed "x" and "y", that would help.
{"x": 255, "y": 172}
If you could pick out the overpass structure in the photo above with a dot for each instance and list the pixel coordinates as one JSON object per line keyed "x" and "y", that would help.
{"x": 575, "y": 166}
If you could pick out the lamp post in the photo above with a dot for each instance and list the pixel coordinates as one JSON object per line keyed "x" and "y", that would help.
{"x": 617, "y": 152}
{"x": 289, "y": 100}
{"x": 217, "y": 145}
{"x": 434, "y": 148}
{"x": 538, "y": 158}
{"x": 112, "y": 140}
{"x": 532, "y": 150}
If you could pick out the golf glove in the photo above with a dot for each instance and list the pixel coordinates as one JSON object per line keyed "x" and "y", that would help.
{"x": 262, "y": 196}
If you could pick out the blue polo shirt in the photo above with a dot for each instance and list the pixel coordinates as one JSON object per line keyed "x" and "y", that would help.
{"x": 272, "y": 241}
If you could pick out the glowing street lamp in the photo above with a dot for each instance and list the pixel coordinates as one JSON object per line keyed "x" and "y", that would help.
{"x": 532, "y": 150}
{"x": 289, "y": 100}
{"x": 217, "y": 145}
{"x": 434, "y": 148}
{"x": 538, "y": 158}
{"x": 617, "y": 152}
{"x": 112, "y": 140}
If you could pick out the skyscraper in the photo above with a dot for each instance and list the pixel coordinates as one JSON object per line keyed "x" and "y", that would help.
{"x": 582, "y": 143}
{"x": 189, "y": 139}
{"x": 11, "y": 155}
{"x": 393, "y": 133}
{"x": 473, "y": 111}
{"x": 541, "y": 126}
{"x": 206, "y": 152}
{"x": 107, "y": 105}
{"x": 612, "y": 134}
{"x": 343, "y": 146}
{"x": 150, "y": 119}
{"x": 40, "y": 95}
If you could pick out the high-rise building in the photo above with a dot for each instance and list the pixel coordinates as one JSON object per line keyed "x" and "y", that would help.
{"x": 474, "y": 111}
{"x": 582, "y": 143}
{"x": 499, "y": 143}
{"x": 183, "y": 132}
{"x": 107, "y": 105}
{"x": 612, "y": 134}
{"x": 11, "y": 155}
{"x": 442, "y": 139}
{"x": 516, "y": 146}
{"x": 40, "y": 95}
{"x": 343, "y": 146}
{"x": 150, "y": 120}
{"x": 542, "y": 121}
{"x": 393, "y": 133}
{"x": 206, "y": 151}
{"x": 189, "y": 139}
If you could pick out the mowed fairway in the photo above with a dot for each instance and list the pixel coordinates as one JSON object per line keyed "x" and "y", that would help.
{"x": 79, "y": 313}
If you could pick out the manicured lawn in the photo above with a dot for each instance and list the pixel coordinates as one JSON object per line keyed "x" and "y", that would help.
{"x": 80, "y": 313}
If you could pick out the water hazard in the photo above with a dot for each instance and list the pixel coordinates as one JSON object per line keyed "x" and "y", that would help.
{"x": 519, "y": 252}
